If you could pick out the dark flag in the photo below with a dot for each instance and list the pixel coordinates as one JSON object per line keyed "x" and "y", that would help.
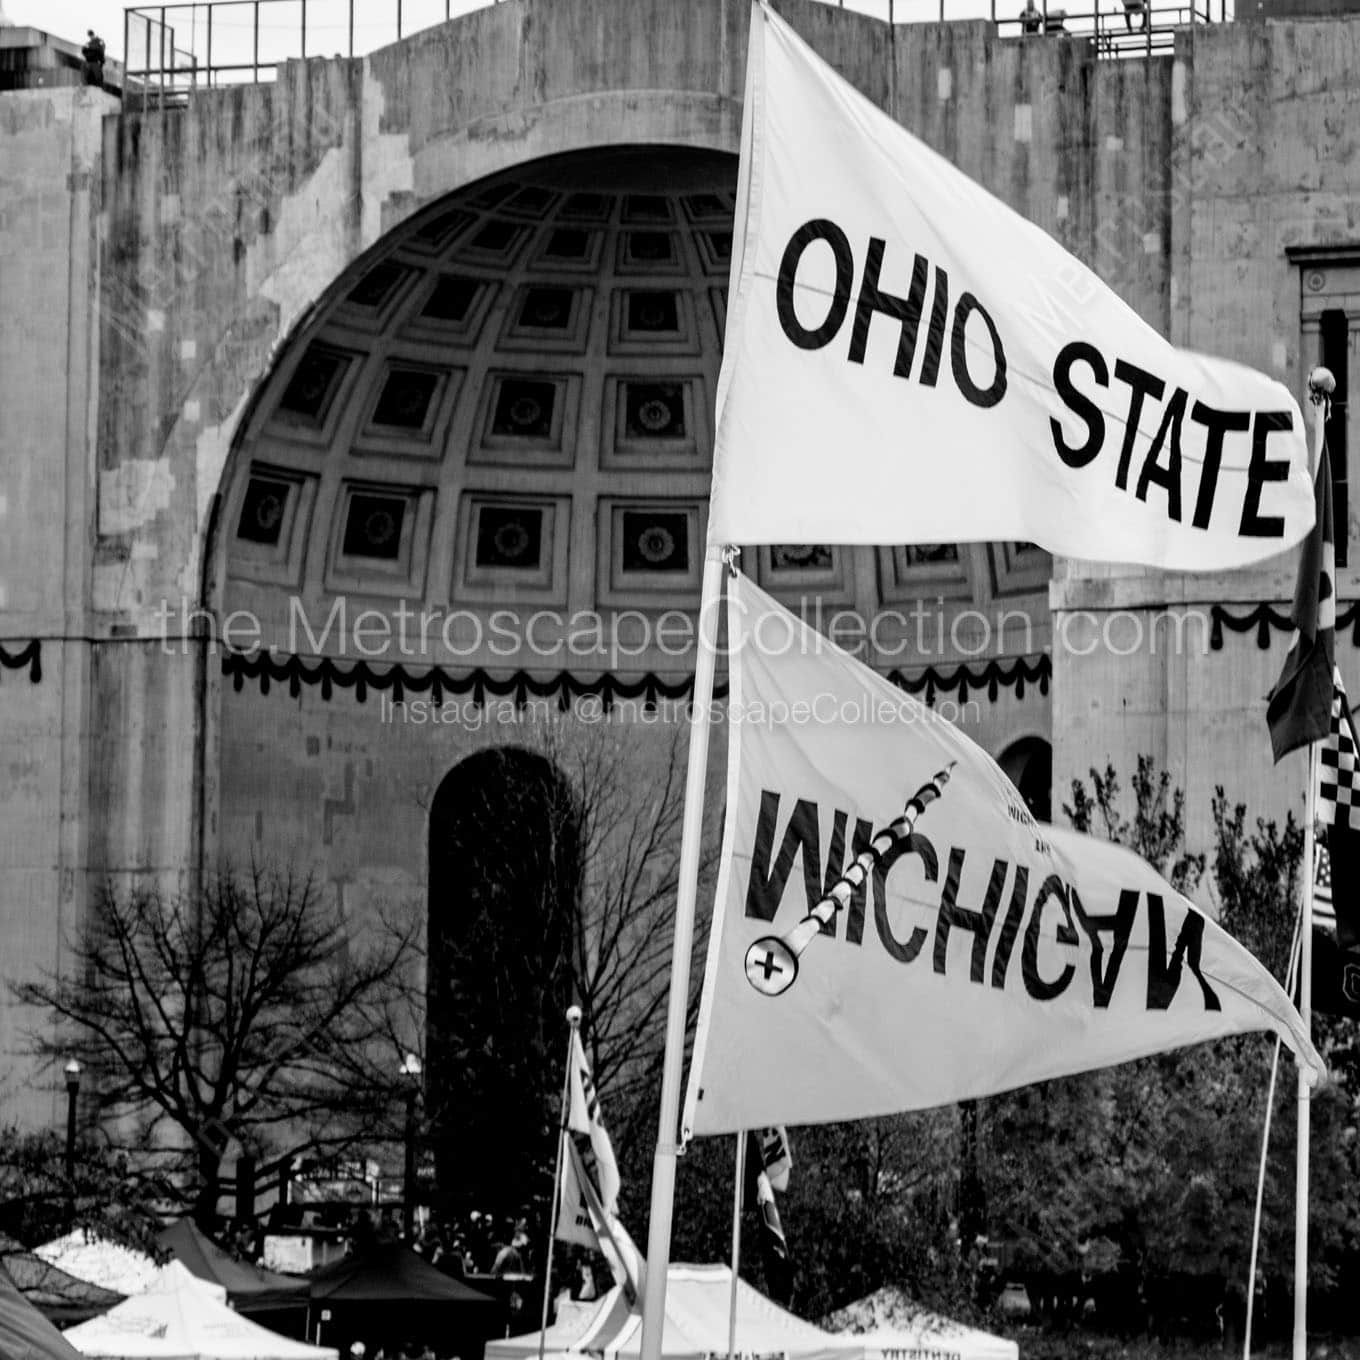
{"x": 767, "y": 1151}
{"x": 1301, "y": 702}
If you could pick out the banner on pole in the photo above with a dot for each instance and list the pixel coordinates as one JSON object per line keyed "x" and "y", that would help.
{"x": 894, "y": 931}
{"x": 909, "y": 360}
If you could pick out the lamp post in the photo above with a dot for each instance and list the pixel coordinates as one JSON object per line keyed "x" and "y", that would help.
{"x": 72, "y": 1070}
{"x": 411, "y": 1070}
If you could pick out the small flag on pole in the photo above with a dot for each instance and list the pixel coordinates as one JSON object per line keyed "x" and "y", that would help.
{"x": 1301, "y": 702}
{"x": 767, "y": 1150}
{"x": 588, "y": 1214}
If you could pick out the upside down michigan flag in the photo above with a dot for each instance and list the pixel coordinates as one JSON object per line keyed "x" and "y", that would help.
{"x": 893, "y": 930}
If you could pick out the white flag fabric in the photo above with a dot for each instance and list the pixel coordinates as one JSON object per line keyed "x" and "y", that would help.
{"x": 584, "y": 1219}
{"x": 909, "y": 360}
{"x": 583, "y": 1116}
{"x": 894, "y": 931}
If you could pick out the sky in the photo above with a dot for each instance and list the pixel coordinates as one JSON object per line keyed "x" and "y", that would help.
{"x": 327, "y": 20}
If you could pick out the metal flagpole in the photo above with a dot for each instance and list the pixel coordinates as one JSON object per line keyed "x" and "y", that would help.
{"x": 1318, "y": 392}
{"x": 687, "y": 889}
{"x": 737, "y": 1197}
{"x": 573, "y": 1020}
{"x": 1305, "y": 1089}
{"x": 1291, "y": 975}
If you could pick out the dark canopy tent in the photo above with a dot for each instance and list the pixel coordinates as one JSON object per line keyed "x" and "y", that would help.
{"x": 250, "y": 1290}
{"x": 24, "y": 1333}
{"x": 388, "y": 1296}
{"x": 60, "y": 1297}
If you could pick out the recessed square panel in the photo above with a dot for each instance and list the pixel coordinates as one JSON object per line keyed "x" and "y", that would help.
{"x": 493, "y": 242}
{"x": 586, "y": 207}
{"x": 568, "y": 244}
{"x": 922, "y": 569}
{"x": 440, "y": 231}
{"x": 410, "y": 410}
{"x": 653, "y": 410}
{"x": 509, "y": 537}
{"x": 708, "y": 208}
{"x": 788, "y": 557}
{"x": 451, "y": 299}
{"x": 524, "y": 408}
{"x": 647, "y": 321}
{"x": 643, "y": 208}
{"x": 654, "y": 540}
{"x": 310, "y": 391}
{"x": 407, "y": 399}
{"x": 511, "y": 548}
{"x": 527, "y": 418}
{"x": 263, "y": 510}
{"x": 652, "y": 312}
{"x": 649, "y": 550}
{"x": 531, "y": 201}
{"x": 795, "y": 571}
{"x": 643, "y": 251}
{"x": 492, "y": 194}
{"x": 271, "y": 525}
{"x": 380, "y": 539}
{"x": 717, "y": 298}
{"x": 656, "y": 423}
{"x": 452, "y": 308}
{"x": 715, "y": 249}
{"x": 1020, "y": 568}
{"x": 547, "y": 317}
{"x": 377, "y": 286}
{"x": 373, "y": 526}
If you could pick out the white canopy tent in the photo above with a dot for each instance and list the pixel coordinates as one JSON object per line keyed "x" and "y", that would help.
{"x": 181, "y": 1317}
{"x": 696, "y": 1325}
{"x": 888, "y": 1325}
{"x": 97, "y": 1261}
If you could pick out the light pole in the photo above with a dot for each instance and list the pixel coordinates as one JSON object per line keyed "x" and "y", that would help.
{"x": 411, "y": 1072}
{"x": 72, "y": 1070}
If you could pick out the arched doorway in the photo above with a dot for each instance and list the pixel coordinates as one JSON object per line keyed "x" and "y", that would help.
{"x": 1028, "y": 764}
{"x": 504, "y": 880}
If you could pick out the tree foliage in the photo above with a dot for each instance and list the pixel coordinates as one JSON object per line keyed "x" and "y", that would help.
{"x": 242, "y": 1013}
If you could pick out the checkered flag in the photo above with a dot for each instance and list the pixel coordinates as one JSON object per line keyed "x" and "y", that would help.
{"x": 1338, "y": 802}
{"x": 1337, "y": 872}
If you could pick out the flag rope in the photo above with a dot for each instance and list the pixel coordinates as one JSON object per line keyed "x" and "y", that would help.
{"x": 738, "y": 1195}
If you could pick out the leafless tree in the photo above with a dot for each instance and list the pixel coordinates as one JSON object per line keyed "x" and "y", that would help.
{"x": 243, "y": 1012}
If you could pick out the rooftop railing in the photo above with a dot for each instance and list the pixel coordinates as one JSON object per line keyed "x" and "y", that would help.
{"x": 174, "y": 49}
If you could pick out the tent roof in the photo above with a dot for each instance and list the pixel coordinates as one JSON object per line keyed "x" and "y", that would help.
{"x": 390, "y": 1272}
{"x": 697, "y": 1304}
{"x": 183, "y": 1316}
{"x": 24, "y": 1333}
{"x": 249, "y": 1288}
{"x": 100, "y": 1262}
{"x": 890, "y": 1321}
{"x": 59, "y": 1297}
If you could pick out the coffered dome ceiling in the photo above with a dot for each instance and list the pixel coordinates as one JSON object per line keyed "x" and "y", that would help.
{"x": 510, "y": 403}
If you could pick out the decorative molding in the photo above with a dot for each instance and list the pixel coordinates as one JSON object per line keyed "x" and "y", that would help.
{"x": 1265, "y": 618}
{"x": 29, "y": 655}
{"x": 267, "y": 668}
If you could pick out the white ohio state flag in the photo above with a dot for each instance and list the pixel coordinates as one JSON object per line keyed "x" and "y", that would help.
{"x": 894, "y": 931}
{"x": 909, "y": 360}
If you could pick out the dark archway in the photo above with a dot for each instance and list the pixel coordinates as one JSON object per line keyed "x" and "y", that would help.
{"x": 505, "y": 871}
{"x": 1028, "y": 764}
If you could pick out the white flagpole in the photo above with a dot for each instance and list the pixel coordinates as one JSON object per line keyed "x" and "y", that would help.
{"x": 738, "y": 1186}
{"x": 573, "y": 1020}
{"x": 1291, "y": 975}
{"x": 687, "y": 890}
{"x": 1320, "y": 385}
{"x": 1305, "y": 1090}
